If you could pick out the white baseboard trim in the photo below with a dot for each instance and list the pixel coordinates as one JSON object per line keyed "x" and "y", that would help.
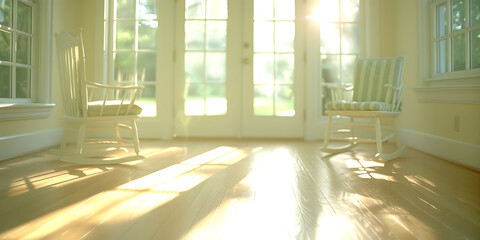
{"x": 15, "y": 145}
{"x": 463, "y": 153}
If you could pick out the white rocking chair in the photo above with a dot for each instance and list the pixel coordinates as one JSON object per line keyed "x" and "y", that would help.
{"x": 95, "y": 107}
{"x": 377, "y": 94}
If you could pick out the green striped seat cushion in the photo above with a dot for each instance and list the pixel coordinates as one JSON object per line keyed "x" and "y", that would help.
{"x": 111, "y": 108}
{"x": 355, "y": 106}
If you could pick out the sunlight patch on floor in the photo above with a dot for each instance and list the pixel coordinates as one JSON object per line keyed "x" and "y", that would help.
{"x": 130, "y": 200}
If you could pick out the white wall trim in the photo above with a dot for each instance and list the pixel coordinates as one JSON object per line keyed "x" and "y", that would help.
{"x": 448, "y": 94}
{"x": 463, "y": 153}
{"x": 18, "y": 111}
{"x": 15, "y": 145}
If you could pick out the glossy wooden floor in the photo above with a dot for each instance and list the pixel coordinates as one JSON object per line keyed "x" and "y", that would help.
{"x": 240, "y": 189}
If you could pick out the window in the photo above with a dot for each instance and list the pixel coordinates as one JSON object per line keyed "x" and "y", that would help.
{"x": 449, "y": 49}
{"x": 456, "y": 36}
{"x": 25, "y": 59}
{"x": 205, "y": 57}
{"x": 274, "y": 57}
{"x": 133, "y": 47}
{"x": 340, "y": 41}
{"x": 16, "y": 38}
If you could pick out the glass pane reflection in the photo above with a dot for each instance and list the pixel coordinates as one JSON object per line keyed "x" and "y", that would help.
{"x": 263, "y": 100}
{"x": 284, "y": 101}
{"x": 458, "y": 52}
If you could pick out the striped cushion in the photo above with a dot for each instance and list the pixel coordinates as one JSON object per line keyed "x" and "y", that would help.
{"x": 355, "y": 106}
{"x": 372, "y": 74}
{"x": 111, "y": 109}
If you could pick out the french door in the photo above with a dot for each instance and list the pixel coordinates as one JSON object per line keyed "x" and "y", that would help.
{"x": 238, "y": 68}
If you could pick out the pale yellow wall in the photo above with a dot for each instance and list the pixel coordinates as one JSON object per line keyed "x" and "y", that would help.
{"x": 66, "y": 15}
{"x": 398, "y": 34}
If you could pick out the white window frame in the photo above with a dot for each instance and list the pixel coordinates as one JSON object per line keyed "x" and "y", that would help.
{"x": 449, "y": 87}
{"x": 39, "y": 105}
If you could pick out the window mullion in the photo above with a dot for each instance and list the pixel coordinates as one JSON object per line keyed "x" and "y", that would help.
{"x": 13, "y": 80}
{"x": 467, "y": 36}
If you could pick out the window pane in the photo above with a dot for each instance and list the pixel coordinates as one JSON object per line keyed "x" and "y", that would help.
{"x": 263, "y": 10}
{"x": 217, "y": 9}
{"x": 194, "y": 101}
{"x": 263, "y": 37}
{"x": 147, "y": 35}
{"x": 458, "y": 15}
{"x": 147, "y": 101}
{"x": 350, "y": 10}
{"x": 146, "y": 69}
{"x": 216, "y": 102}
{"x": 284, "y": 36}
{"x": 194, "y": 35}
{"x": 330, "y": 38}
{"x": 475, "y": 49}
{"x": 263, "y": 100}
{"x": 475, "y": 12}
{"x": 441, "y": 20}
{"x": 284, "y": 10}
{"x": 124, "y": 67}
{"x": 348, "y": 68}
{"x": 263, "y": 68}
{"x": 194, "y": 67}
{"x": 5, "y": 46}
{"x": 5, "y": 81}
{"x": 441, "y": 57}
{"x": 6, "y": 13}
{"x": 23, "y": 83}
{"x": 284, "y": 101}
{"x": 216, "y": 35}
{"x": 24, "y": 17}
{"x": 125, "y": 38}
{"x": 350, "y": 38}
{"x": 23, "y": 49}
{"x": 331, "y": 68}
{"x": 329, "y": 11}
{"x": 284, "y": 65}
{"x": 125, "y": 8}
{"x": 458, "y": 52}
{"x": 148, "y": 93}
{"x": 147, "y": 9}
{"x": 216, "y": 67}
{"x": 195, "y": 9}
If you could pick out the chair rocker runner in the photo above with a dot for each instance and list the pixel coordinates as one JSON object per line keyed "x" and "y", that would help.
{"x": 93, "y": 108}
{"x": 377, "y": 94}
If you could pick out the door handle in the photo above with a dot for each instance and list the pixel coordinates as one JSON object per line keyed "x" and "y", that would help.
{"x": 246, "y": 61}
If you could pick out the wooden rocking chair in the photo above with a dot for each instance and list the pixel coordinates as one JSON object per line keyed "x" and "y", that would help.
{"x": 95, "y": 107}
{"x": 377, "y": 94}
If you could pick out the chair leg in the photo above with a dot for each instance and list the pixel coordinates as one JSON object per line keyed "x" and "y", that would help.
{"x": 80, "y": 138}
{"x": 135, "y": 138}
{"x": 378, "y": 133}
{"x": 117, "y": 130}
{"x": 327, "y": 132}
{"x": 352, "y": 134}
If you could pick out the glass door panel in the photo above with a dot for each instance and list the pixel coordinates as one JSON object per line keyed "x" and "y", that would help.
{"x": 237, "y": 69}
{"x": 134, "y": 50}
{"x": 273, "y": 59}
{"x": 205, "y": 57}
{"x": 272, "y": 109}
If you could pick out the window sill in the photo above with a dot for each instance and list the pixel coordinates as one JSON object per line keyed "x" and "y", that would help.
{"x": 21, "y": 111}
{"x": 448, "y": 94}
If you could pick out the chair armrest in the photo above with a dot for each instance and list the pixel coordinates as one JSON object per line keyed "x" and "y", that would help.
{"x": 393, "y": 97}
{"x": 113, "y": 87}
{"x": 392, "y": 87}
